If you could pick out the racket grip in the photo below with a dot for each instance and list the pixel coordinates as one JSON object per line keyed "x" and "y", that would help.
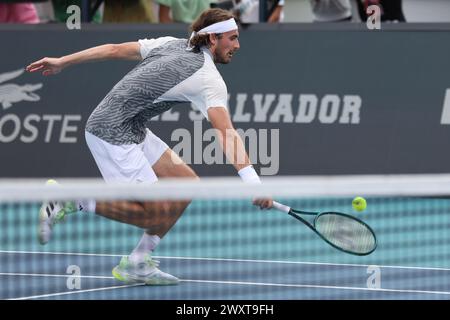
{"x": 281, "y": 207}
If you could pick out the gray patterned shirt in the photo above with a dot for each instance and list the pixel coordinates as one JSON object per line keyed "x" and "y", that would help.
{"x": 167, "y": 75}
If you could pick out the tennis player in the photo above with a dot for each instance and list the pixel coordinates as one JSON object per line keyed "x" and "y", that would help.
{"x": 170, "y": 71}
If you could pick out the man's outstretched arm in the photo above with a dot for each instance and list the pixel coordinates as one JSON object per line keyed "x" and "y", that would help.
{"x": 125, "y": 51}
{"x": 234, "y": 149}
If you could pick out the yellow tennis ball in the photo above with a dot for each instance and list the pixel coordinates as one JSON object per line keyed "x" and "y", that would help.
{"x": 359, "y": 204}
{"x": 51, "y": 182}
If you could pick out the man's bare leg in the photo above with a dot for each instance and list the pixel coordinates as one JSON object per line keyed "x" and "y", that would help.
{"x": 156, "y": 217}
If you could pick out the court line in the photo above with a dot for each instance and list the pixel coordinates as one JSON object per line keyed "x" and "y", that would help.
{"x": 320, "y": 287}
{"x": 233, "y": 260}
{"x": 231, "y": 283}
{"x": 15, "y": 274}
{"x": 62, "y": 253}
{"x": 78, "y": 291}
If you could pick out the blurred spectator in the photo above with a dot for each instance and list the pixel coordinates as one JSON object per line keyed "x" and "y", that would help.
{"x": 134, "y": 11}
{"x": 185, "y": 11}
{"x": 391, "y": 10}
{"x": 56, "y": 10}
{"x": 18, "y": 13}
{"x": 60, "y": 10}
{"x": 331, "y": 10}
{"x": 45, "y": 11}
{"x": 276, "y": 12}
{"x": 247, "y": 11}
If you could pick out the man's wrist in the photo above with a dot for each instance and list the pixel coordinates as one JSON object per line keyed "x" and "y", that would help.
{"x": 64, "y": 62}
{"x": 249, "y": 175}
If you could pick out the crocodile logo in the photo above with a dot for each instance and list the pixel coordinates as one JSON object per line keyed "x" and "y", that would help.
{"x": 13, "y": 93}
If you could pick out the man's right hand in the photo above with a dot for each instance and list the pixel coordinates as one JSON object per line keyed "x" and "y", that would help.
{"x": 263, "y": 203}
{"x": 48, "y": 66}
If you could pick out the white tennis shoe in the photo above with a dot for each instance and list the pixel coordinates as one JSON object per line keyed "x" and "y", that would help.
{"x": 144, "y": 272}
{"x": 51, "y": 213}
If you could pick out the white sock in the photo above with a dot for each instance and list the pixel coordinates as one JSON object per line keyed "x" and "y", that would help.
{"x": 86, "y": 205}
{"x": 146, "y": 245}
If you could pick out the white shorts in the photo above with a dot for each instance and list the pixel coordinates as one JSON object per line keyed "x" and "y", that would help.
{"x": 129, "y": 162}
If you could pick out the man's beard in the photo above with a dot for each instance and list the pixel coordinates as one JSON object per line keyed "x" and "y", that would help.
{"x": 220, "y": 59}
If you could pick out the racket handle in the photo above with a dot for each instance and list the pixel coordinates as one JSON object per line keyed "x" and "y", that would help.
{"x": 281, "y": 207}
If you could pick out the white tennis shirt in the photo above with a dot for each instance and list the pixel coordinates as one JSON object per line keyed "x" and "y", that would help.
{"x": 167, "y": 75}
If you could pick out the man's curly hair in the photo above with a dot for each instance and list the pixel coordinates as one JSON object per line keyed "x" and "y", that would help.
{"x": 207, "y": 18}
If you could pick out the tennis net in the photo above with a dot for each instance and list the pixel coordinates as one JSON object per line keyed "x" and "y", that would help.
{"x": 223, "y": 247}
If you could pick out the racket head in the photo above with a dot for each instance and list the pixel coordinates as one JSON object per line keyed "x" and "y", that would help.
{"x": 346, "y": 233}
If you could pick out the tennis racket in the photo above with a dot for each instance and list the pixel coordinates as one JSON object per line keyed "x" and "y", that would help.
{"x": 342, "y": 231}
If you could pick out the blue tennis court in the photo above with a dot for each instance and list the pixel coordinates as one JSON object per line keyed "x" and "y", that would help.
{"x": 228, "y": 250}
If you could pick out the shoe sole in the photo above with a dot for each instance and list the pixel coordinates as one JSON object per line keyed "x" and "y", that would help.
{"x": 43, "y": 219}
{"x": 128, "y": 279}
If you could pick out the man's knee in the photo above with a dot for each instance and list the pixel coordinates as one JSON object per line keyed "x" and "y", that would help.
{"x": 158, "y": 213}
{"x": 165, "y": 208}
{"x": 156, "y": 207}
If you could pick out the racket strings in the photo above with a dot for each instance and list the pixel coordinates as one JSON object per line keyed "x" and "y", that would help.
{"x": 346, "y": 233}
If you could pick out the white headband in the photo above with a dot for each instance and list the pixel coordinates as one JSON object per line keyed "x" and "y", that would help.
{"x": 218, "y": 27}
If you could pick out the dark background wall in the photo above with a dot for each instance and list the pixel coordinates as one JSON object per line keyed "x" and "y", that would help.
{"x": 331, "y": 100}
